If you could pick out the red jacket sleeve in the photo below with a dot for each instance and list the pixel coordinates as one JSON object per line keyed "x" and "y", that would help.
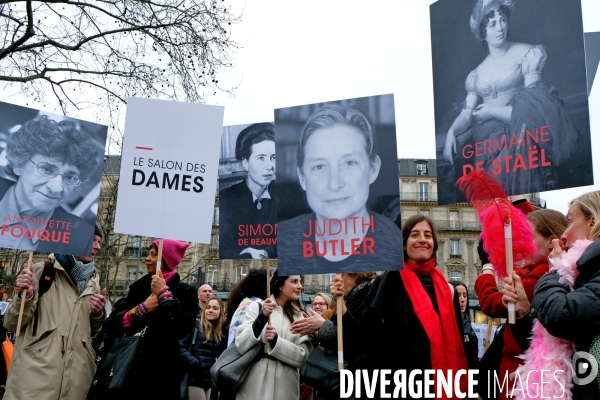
{"x": 490, "y": 298}
{"x": 532, "y": 279}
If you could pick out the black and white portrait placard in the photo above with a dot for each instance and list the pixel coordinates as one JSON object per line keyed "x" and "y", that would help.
{"x": 337, "y": 187}
{"x": 510, "y": 94}
{"x": 169, "y": 169}
{"x": 247, "y": 201}
{"x": 50, "y": 173}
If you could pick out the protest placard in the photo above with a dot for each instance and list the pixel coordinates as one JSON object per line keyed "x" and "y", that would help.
{"x": 510, "y": 94}
{"x": 338, "y": 199}
{"x": 50, "y": 172}
{"x": 247, "y": 203}
{"x": 169, "y": 170}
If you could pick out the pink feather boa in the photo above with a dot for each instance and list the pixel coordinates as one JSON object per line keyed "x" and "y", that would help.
{"x": 547, "y": 352}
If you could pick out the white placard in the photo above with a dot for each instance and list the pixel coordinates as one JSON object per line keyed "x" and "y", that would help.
{"x": 481, "y": 332}
{"x": 169, "y": 170}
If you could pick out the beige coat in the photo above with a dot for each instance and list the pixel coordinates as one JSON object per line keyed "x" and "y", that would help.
{"x": 58, "y": 363}
{"x": 269, "y": 379}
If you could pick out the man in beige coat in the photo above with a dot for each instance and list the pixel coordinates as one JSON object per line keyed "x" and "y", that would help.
{"x": 58, "y": 362}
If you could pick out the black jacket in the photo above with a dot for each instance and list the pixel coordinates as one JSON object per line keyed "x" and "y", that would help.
{"x": 573, "y": 315}
{"x": 394, "y": 337}
{"x": 158, "y": 372}
{"x": 201, "y": 356}
{"x": 470, "y": 343}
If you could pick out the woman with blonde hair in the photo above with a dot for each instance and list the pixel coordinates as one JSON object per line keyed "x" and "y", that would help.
{"x": 321, "y": 303}
{"x": 201, "y": 348}
{"x": 571, "y": 314}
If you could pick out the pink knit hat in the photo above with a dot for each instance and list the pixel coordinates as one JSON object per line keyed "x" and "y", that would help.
{"x": 172, "y": 253}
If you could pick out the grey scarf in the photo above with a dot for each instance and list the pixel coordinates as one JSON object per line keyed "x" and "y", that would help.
{"x": 79, "y": 272}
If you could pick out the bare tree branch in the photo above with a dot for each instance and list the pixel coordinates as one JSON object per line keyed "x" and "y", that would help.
{"x": 73, "y": 50}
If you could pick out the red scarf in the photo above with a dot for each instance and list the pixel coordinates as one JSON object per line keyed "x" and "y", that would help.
{"x": 447, "y": 351}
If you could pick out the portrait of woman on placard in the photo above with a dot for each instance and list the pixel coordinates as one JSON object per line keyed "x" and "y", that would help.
{"x": 337, "y": 166}
{"x": 247, "y": 208}
{"x": 512, "y": 122}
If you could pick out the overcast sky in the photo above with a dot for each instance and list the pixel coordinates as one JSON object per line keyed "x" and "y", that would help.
{"x": 312, "y": 51}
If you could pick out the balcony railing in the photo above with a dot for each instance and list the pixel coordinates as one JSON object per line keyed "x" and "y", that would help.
{"x": 120, "y": 285}
{"x": 418, "y": 196}
{"x": 446, "y": 225}
{"x": 312, "y": 289}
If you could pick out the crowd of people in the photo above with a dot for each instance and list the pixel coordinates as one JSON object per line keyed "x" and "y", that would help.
{"x": 418, "y": 320}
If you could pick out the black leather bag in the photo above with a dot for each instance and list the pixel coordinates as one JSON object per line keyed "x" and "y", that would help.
{"x": 321, "y": 370}
{"x": 231, "y": 368}
{"x": 490, "y": 364}
{"x": 115, "y": 364}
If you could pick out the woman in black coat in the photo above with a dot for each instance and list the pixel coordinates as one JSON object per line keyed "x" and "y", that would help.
{"x": 406, "y": 309}
{"x": 164, "y": 309}
{"x": 469, "y": 337}
{"x": 201, "y": 348}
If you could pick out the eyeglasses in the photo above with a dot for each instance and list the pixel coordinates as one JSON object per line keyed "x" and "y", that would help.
{"x": 50, "y": 171}
{"x": 318, "y": 303}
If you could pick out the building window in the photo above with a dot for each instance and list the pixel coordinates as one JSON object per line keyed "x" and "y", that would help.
{"x": 217, "y": 190}
{"x": 453, "y": 216}
{"x": 328, "y": 279}
{"x": 130, "y": 274}
{"x": 424, "y": 212}
{"x": 421, "y": 169}
{"x": 214, "y": 243}
{"x": 212, "y": 272}
{"x": 423, "y": 191}
{"x": 216, "y": 216}
{"x": 241, "y": 272}
{"x": 455, "y": 276}
{"x": 136, "y": 241}
{"x": 454, "y": 248}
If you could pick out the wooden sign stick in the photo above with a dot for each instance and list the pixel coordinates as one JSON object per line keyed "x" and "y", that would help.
{"x": 488, "y": 334}
{"x": 509, "y": 266}
{"x": 339, "y": 305}
{"x": 269, "y": 284}
{"x": 24, "y": 296}
{"x": 158, "y": 261}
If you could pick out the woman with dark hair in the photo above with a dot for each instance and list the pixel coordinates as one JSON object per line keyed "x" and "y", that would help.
{"x": 275, "y": 376}
{"x": 250, "y": 204}
{"x": 469, "y": 337}
{"x": 164, "y": 308}
{"x": 413, "y": 315}
{"x": 199, "y": 353}
{"x": 511, "y": 104}
{"x": 48, "y": 160}
{"x": 547, "y": 225}
{"x": 250, "y": 289}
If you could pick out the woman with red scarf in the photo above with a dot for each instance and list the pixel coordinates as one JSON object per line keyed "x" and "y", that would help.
{"x": 413, "y": 319}
{"x": 546, "y": 225}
